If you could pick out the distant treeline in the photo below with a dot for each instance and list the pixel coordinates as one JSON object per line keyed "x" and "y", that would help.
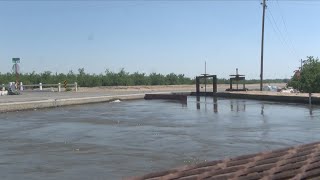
{"x": 109, "y": 78}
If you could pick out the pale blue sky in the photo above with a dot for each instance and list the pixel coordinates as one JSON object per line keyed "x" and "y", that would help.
{"x": 158, "y": 36}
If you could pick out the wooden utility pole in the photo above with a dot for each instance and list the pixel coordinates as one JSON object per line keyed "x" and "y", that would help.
{"x": 262, "y": 43}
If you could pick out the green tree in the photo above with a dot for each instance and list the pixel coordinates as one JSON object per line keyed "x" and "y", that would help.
{"x": 308, "y": 78}
{"x": 139, "y": 78}
{"x": 157, "y": 79}
{"x": 310, "y": 75}
{"x": 172, "y": 79}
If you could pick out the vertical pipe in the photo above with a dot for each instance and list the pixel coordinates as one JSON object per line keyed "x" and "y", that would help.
{"x": 310, "y": 104}
{"x": 59, "y": 87}
{"x": 76, "y": 86}
{"x": 310, "y": 99}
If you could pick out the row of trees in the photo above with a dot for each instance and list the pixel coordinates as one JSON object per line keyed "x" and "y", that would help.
{"x": 109, "y": 78}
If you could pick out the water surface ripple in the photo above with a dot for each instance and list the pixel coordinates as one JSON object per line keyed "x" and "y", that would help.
{"x": 115, "y": 140}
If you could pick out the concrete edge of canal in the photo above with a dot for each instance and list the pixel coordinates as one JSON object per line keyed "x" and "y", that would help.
{"x": 265, "y": 96}
{"x": 49, "y": 103}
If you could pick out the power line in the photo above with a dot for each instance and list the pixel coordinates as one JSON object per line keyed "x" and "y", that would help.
{"x": 277, "y": 30}
{"x": 286, "y": 29}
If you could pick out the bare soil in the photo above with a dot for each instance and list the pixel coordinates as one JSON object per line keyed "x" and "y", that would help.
{"x": 221, "y": 87}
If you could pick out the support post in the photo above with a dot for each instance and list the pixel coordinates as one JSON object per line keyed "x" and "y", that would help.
{"x": 262, "y": 43}
{"x": 310, "y": 99}
{"x": 205, "y": 78}
{"x": 237, "y": 84}
{"x": 205, "y": 85}
{"x": 76, "y": 86}
{"x": 40, "y": 86}
{"x": 59, "y": 87}
{"x": 198, "y": 86}
{"x": 214, "y": 79}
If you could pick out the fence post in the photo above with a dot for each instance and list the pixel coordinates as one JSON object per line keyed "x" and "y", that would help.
{"x": 40, "y": 86}
{"x": 59, "y": 87}
{"x": 76, "y": 86}
{"x": 3, "y": 88}
{"x": 21, "y": 86}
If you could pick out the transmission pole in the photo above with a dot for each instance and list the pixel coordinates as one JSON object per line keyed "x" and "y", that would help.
{"x": 262, "y": 43}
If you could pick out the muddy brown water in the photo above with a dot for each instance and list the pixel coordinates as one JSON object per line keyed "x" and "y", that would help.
{"x": 116, "y": 140}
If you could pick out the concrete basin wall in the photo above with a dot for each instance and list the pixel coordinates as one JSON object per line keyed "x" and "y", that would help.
{"x": 289, "y": 98}
{"x": 18, "y": 106}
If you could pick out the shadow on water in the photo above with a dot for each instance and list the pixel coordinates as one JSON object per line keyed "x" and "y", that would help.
{"x": 184, "y": 103}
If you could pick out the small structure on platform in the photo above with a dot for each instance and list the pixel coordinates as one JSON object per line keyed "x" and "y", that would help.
{"x": 206, "y": 76}
{"x": 237, "y": 78}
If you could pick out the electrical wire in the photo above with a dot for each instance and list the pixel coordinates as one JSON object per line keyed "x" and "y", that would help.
{"x": 278, "y": 31}
{"x": 286, "y": 29}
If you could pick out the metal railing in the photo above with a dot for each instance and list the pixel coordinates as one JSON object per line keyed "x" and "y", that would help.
{"x": 41, "y": 86}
